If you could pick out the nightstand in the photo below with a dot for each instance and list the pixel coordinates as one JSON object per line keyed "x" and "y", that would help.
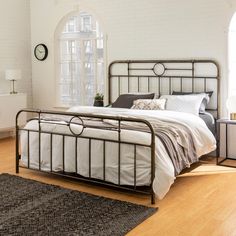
{"x": 226, "y": 130}
{"x": 10, "y": 104}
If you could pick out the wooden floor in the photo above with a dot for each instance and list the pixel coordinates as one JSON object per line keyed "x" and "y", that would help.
{"x": 201, "y": 202}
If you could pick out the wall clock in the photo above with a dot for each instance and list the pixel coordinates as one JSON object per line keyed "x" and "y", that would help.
{"x": 41, "y": 52}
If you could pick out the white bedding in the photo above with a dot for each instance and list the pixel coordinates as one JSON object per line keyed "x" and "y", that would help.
{"x": 164, "y": 170}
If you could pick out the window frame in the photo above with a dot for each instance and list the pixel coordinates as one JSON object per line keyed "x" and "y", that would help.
{"x": 58, "y": 32}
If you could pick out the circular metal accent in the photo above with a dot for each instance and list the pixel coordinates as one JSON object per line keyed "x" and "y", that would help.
{"x": 80, "y": 122}
{"x": 159, "y": 69}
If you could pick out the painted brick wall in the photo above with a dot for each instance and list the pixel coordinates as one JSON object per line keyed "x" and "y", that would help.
{"x": 15, "y": 44}
{"x": 15, "y": 47}
{"x": 138, "y": 29}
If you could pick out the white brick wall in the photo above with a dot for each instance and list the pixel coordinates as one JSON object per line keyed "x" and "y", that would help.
{"x": 138, "y": 29}
{"x": 15, "y": 44}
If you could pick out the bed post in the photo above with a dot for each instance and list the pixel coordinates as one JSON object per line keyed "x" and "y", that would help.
{"x": 152, "y": 146}
{"x": 152, "y": 165}
{"x": 17, "y": 143}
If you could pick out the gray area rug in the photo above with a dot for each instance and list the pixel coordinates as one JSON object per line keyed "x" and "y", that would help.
{"x": 28, "y": 207}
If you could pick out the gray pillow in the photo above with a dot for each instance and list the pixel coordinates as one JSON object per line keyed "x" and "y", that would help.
{"x": 205, "y": 100}
{"x": 126, "y": 100}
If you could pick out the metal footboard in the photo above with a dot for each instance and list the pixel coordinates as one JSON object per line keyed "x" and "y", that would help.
{"x": 86, "y": 121}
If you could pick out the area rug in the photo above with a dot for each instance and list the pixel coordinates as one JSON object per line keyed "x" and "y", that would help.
{"x": 28, "y": 207}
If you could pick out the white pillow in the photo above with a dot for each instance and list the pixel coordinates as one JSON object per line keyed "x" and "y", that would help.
{"x": 149, "y": 104}
{"x": 184, "y": 103}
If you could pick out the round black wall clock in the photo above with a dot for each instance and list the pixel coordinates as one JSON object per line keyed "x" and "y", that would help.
{"x": 41, "y": 52}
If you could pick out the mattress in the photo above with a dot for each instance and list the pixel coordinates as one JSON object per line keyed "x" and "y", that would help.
{"x": 204, "y": 142}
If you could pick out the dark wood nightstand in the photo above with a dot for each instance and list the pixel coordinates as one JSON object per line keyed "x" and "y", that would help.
{"x": 225, "y": 124}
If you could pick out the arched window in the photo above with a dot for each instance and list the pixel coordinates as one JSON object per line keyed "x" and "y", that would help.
{"x": 232, "y": 56}
{"x": 81, "y": 60}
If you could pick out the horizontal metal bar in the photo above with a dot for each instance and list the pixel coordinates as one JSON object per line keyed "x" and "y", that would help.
{"x": 167, "y": 76}
{"x": 190, "y": 61}
{"x": 219, "y": 162}
{"x": 228, "y": 158}
{"x": 165, "y": 61}
{"x": 66, "y": 123}
{"x": 94, "y": 181}
{"x": 165, "y": 68}
{"x": 141, "y": 68}
{"x": 87, "y": 115}
{"x": 187, "y": 69}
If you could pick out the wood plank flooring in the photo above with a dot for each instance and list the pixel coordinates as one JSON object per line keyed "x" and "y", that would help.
{"x": 202, "y": 200}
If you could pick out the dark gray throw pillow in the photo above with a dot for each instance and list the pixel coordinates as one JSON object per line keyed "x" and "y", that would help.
{"x": 204, "y": 103}
{"x": 126, "y": 100}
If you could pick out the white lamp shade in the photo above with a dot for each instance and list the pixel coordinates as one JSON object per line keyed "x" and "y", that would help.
{"x": 231, "y": 104}
{"x": 13, "y": 74}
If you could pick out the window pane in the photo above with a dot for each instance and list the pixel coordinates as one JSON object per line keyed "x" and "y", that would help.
{"x": 81, "y": 60}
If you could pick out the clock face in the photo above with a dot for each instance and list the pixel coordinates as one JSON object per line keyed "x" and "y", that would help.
{"x": 41, "y": 52}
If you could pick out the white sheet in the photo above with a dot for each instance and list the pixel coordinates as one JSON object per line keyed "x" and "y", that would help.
{"x": 164, "y": 170}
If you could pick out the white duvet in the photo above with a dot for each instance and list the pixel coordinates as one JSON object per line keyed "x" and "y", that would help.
{"x": 164, "y": 171}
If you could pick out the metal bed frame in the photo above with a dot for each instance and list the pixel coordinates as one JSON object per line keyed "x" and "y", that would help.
{"x": 142, "y": 70}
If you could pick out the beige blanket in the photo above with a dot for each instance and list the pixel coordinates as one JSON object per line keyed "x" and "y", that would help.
{"x": 176, "y": 138}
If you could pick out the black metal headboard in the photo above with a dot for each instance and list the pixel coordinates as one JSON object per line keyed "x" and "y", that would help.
{"x": 165, "y": 76}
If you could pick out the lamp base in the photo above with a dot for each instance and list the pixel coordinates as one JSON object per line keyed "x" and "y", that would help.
{"x": 13, "y": 87}
{"x": 232, "y": 116}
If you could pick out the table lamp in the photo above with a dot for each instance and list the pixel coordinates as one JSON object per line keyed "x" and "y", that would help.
{"x": 231, "y": 106}
{"x": 13, "y": 75}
